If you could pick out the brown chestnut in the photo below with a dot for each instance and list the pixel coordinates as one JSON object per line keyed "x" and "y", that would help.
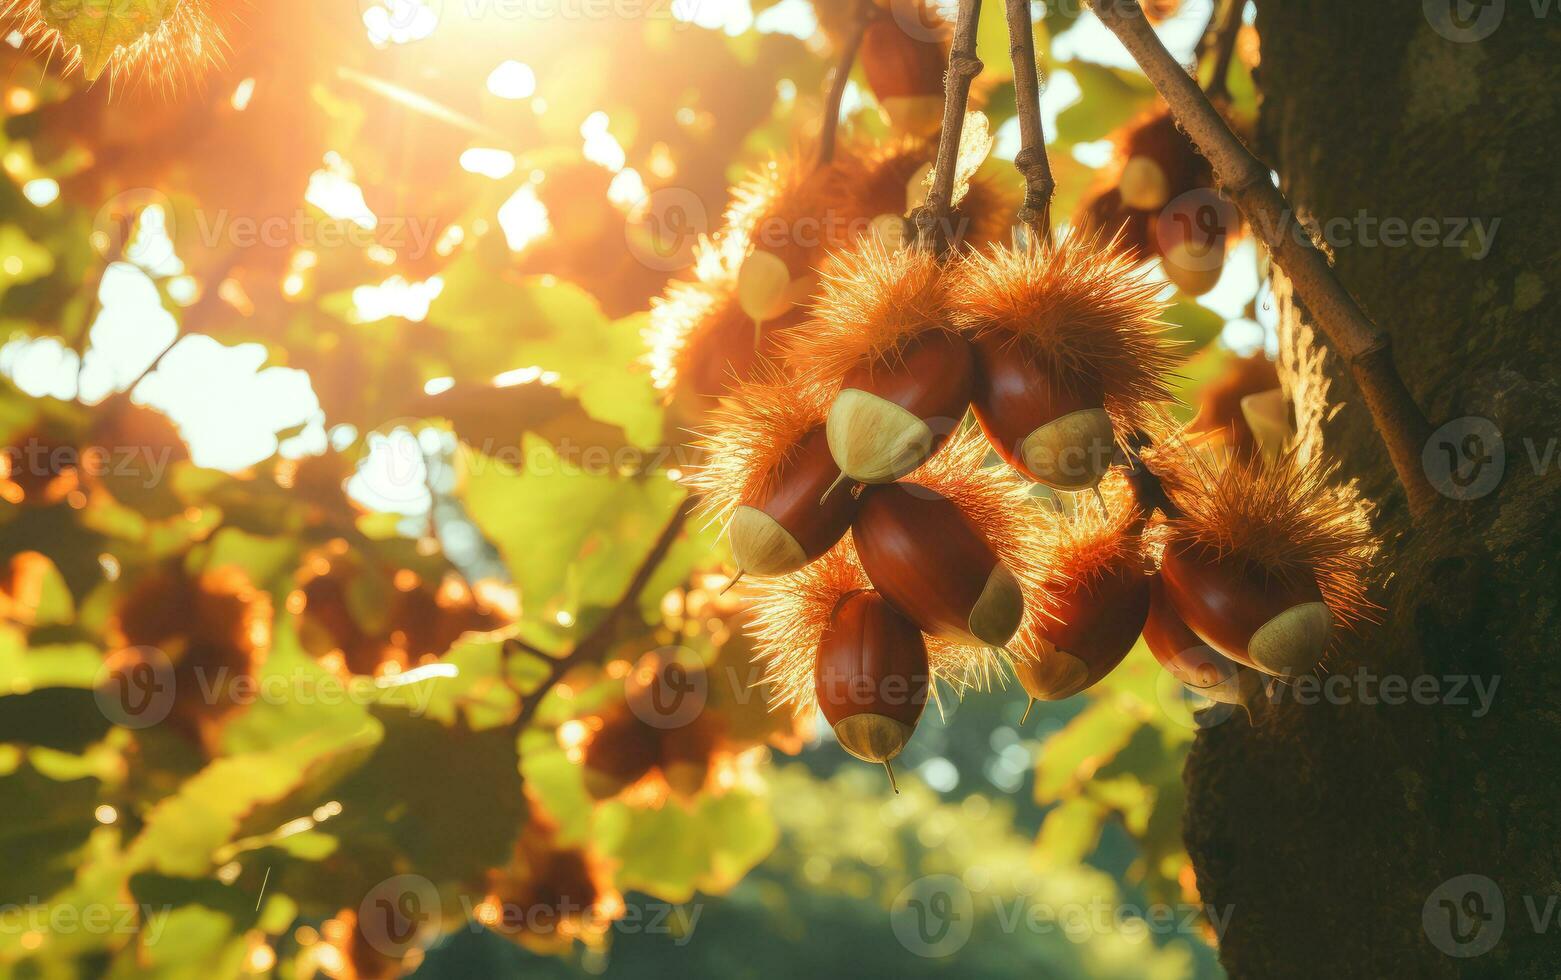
{"x": 1051, "y": 427}
{"x": 894, "y": 412}
{"x": 1186, "y": 657}
{"x": 794, "y": 520}
{"x": 1277, "y": 624}
{"x": 935, "y": 566}
{"x": 872, "y": 678}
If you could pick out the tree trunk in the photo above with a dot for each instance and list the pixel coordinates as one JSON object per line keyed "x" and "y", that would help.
{"x": 1332, "y": 830}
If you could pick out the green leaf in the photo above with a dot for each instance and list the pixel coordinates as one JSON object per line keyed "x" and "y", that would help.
{"x": 22, "y": 260}
{"x": 671, "y": 852}
{"x": 184, "y": 832}
{"x": 1070, "y": 757}
{"x": 1070, "y": 833}
{"x": 497, "y": 324}
{"x": 447, "y": 798}
{"x": 43, "y": 826}
{"x": 1193, "y": 325}
{"x": 564, "y": 531}
{"x": 1111, "y": 96}
{"x": 99, "y": 28}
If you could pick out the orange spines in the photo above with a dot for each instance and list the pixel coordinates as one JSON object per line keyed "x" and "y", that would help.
{"x": 794, "y": 211}
{"x": 1100, "y": 595}
{"x": 214, "y": 629}
{"x": 1264, "y": 560}
{"x": 894, "y": 181}
{"x": 162, "y": 51}
{"x": 751, "y": 281}
{"x": 766, "y": 472}
{"x": 881, "y": 331}
{"x": 1071, "y": 349}
{"x": 791, "y": 613}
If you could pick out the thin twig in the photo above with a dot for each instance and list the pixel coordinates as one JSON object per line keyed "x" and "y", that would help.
{"x": 1224, "y": 49}
{"x": 1031, "y": 160}
{"x": 932, "y": 218}
{"x": 829, "y": 134}
{"x": 1365, "y": 347}
{"x": 596, "y": 643}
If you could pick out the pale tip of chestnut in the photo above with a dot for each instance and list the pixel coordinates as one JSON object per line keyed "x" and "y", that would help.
{"x": 763, "y": 286}
{"x": 1071, "y": 452}
{"x": 1056, "y": 675}
{"x": 761, "y": 546}
{"x": 994, "y": 619}
{"x": 1292, "y": 642}
{"x": 1195, "y": 270}
{"x": 1144, "y": 185}
{"x": 1268, "y": 417}
{"x": 873, "y": 440}
{"x": 872, "y": 737}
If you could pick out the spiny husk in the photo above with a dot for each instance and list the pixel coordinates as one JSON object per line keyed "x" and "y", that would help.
{"x": 699, "y": 341}
{"x": 755, "y": 429}
{"x": 177, "y": 51}
{"x": 1084, "y": 311}
{"x": 874, "y": 301}
{"x": 795, "y": 209}
{"x": 1084, "y": 540}
{"x": 1096, "y": 535}
{"x": 985, "y": 216}
{"x": 688, "y": 313}
{"x": 1290, "y": 518}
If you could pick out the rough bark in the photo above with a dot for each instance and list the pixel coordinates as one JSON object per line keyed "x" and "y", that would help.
{"x": 1327, "y": 828}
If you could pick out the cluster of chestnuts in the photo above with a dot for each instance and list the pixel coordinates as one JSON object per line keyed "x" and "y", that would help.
{"x": 890, "y": 554}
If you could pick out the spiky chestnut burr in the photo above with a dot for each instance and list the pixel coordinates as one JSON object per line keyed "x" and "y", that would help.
{"x": 880, "y": 331}
{"x": 766, "y": 468}
{"x": 1070, "y": 349}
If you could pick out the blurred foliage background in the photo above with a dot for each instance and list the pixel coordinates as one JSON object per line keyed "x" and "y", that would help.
{"x": 304, "y": 360}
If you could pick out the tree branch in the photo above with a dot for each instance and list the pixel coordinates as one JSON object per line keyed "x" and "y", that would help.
{"x": 596, "y": 643}
{"x": 1225, "y": 49}
{"x": 1031, "y": 160}
{"x": 829, "y": 132}
{"x": 932, "y": 218}
{"x": 1365, "y": 347}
